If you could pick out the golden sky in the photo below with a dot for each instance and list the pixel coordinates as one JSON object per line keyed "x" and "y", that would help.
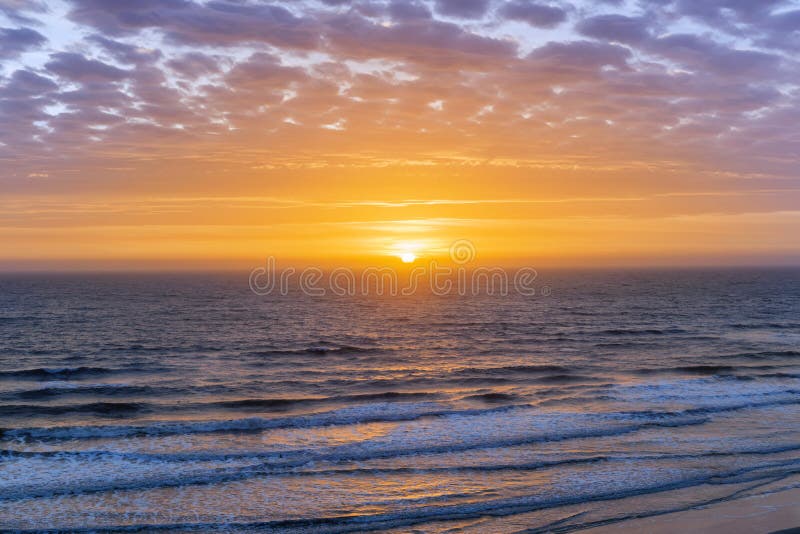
{"x": 199, "y": 134}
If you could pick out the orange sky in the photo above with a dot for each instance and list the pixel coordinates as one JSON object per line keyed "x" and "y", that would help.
{"x": 551, "y": 133}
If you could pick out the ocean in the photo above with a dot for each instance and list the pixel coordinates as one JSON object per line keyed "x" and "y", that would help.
{"x": 183, "y": 402}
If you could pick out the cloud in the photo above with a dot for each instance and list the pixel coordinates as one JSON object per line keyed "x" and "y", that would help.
{"x": 220, "y": 23}
{"x": 699, "y": 53}
{"x": 728, "y": 12}
{"x": 23, "y": 83}
{"x": 578, "y": 57}
{"x": 23, "y": 98}
{"x": 781, "y": 31}
{"x": 401, "y": 10}
{"x": 535, "y": 14}
{"x": 260, "y": 72}
{"x": 15, "y": 41}
{"x": 618, "y": 28}
{"x": 770, "y": 23}
{"x": 96, "y": 94}
{"x": 126, "y": 53}
{"x": 194, "y": 64}
{"x": 787, "y": 21}
{"x": 77, "y": 68}
{"x": 17, "y": 10}
{"x": 433, "y": 42}
{"x": 466, "y": 9}
{"x": 244, "y": 85}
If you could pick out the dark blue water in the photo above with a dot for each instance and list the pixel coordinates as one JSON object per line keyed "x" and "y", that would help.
{"x": 186, "y": 401}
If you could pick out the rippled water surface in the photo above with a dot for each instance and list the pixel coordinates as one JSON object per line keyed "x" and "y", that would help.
{"x": 183, "y": 402}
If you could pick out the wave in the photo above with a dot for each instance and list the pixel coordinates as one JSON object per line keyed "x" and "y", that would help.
{"x": 88, "y": 389}
{"x": 779, "y": 375}
{"x": 624, "y": 345}
{"x": 380, "y": 412}
{"x": 578, "y": 400}
{"x": 641, "y": 331}
{"x": 567, "y": 378}
{"x": 707, "y": 369}
{"x": 435, "y": 380}
{"x": 473, "y": 439}
{"x": 147, "y": 480}
{"x": 764, "y": 355}
{"x": 95, "y": 408}
{"x": 263, "y": 403}
{"x": 760, "y": 326}
{"x": 56, "y": 373}
{"x": 316, "y": 350}
{"x": 230, "y": 472}
{"x": 713, "y": 393}
{"x": 138, "y": 348}
{"x": 285, "y": 403}
{"x": 7, "y": 319}
{"x": 291, "y": 460}
{"x": 492, "y": 397}
{"x": 126, "y": 408}
{"x": 417, "y": 511}
{"x": 689, "y": 369}
{"x": 387, "y": 395}
{"x": 511, "y": 369}
{"x": 386, "y": 411}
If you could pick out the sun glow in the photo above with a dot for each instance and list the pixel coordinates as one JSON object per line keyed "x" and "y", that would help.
{"x": 407, "y": 251}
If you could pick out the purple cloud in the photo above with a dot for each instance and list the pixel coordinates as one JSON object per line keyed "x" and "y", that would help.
{"x": 125, "y": 53}
{"x": 535, "y": 14}
{"x": 232, "y": 70}
{"x": 465, "y": 9}
{"x": 118, "y": 18}
{"x": 425, "y": 42}
{"x": 220, "y": 23}
{"x": 788, "y": 21}
{"x": 96, "y": 94}
{"x": 15, "y": 41}
{"x": 401, "y": 10}
{"x": 698, "y": 53}
{"x": 17, "y": 10}
{"x": 194, "y": 64}
{"x": 727, "y": 11}
{"x": 77, "y": 68}
{"x": 24, "y": 83}
{"x": 579, "y": 56}
{"x": 619, "y": 28}
{"x": 262, "y": 71}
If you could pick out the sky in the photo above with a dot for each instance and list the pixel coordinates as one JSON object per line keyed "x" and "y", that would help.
{"x": 184, "y": 133}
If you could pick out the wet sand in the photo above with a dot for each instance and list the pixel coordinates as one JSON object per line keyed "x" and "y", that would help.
{"x": 776, "y": 513}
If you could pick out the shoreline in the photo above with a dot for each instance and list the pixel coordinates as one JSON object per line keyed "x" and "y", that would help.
{"x": 771, "y": 513}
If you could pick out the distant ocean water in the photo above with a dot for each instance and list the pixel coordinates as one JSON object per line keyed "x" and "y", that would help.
{"x": 186, "y": 402}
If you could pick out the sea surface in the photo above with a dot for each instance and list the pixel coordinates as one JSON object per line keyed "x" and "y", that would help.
{"x": 186, "y": 402}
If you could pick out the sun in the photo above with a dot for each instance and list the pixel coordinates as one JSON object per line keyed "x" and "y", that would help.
{"x": 407, "y": 251}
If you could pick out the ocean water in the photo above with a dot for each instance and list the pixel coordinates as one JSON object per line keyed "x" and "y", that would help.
{"x": 186, "y": 402}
